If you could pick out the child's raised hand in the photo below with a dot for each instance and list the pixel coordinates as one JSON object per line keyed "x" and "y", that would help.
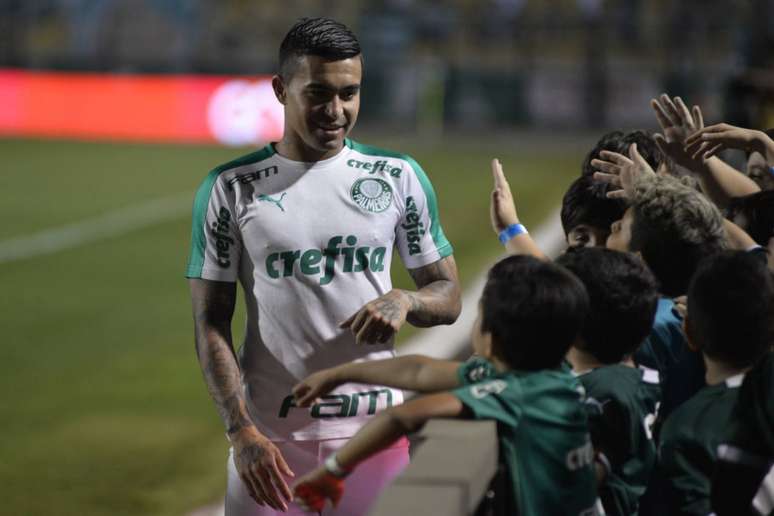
{"x": 502, "y": 209}
{"x": 308, "y": 390}
{"x": 313, "y": 489}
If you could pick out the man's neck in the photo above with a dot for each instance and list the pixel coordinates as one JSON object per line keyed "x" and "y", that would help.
{"x": 298, "y": 151}
{"x": 582, "y": 361}
{"x": 718, "y": 372}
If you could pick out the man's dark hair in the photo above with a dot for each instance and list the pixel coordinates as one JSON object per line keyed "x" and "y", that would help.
{"x": 534, "y": 311}
{"x": 316, "y": 37}
{"x": 619, "y": 141}
{"x": 758, "y": 212}
{"x": 585, "y": 202}
{"x": 730, "y": 307}
{"x": 623, "y": 298}
{"x": 673, "y": 227}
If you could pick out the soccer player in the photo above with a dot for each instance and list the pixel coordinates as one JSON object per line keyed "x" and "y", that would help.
{"x": 730, "y": 302}
{"x": 307, "y": 225}
{"x": 624, "y": 399}
{"x": 530, "y": 312}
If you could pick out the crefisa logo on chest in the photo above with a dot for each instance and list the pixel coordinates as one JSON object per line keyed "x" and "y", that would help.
{"x": 371, "y": 194}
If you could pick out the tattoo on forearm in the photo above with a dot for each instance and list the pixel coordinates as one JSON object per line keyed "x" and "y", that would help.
{"x": 212, "y": 319}
{"x": 438, "y": 299}
{"x": 389, "y": 309}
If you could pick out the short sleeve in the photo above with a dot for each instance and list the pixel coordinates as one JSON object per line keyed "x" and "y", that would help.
{"x": 215, "y": 240}
{"x": 493, "y": 399}
{"x": 474, "y": 370}
{"x": 419, "y": 236}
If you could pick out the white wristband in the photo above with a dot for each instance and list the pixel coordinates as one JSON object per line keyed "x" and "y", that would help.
{"x": 333, "y": 467}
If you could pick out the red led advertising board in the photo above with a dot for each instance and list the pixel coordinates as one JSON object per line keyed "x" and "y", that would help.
{"x": 164, "y": 108}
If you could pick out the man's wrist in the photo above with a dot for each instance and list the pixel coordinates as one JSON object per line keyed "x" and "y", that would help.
{"x": 243, "y": 433}
{"x": 333, "y": 467}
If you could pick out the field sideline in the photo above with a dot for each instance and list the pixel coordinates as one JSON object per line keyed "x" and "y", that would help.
{"x": 104, "y": 410}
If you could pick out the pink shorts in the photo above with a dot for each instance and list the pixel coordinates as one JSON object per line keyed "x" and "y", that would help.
{"x": 361, "y": 487}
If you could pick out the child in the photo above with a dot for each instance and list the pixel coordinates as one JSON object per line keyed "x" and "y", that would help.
{"x": 730, "y": 307}
{"x": 587, "y": 213}
{"x": 623, "y": 297}
{"x": 529, "y": 314}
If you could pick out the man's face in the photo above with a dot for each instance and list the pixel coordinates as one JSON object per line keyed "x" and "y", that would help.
{"x": 584, "y": 235}
{"x": 621, "y": 232}
{"x": 322, "y": 100}
{"x": 758, "y": 170}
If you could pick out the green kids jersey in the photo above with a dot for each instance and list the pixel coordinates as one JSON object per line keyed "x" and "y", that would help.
{"x": 623, "y": 403}
{"x": 744, "y": 476}
{"x": 543, "y": 436}
{"x": 689, "y": 443}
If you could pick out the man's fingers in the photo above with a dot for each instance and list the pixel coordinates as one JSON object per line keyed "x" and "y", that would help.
{"x": 283, "y": 466}
{"x": 615, "y": 157}
{"x": 612, "y": 179}
{"x": 253, "y": 489}
{"x": 270, "y": 493}
{"x": 637, "y": 158}
{"x": 357, "y": 323}
{"x": 278, "y": 481}
{"x": 662, "y": 144}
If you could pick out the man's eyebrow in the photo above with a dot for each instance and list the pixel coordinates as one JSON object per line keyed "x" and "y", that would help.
{"x": 328, "y": 87}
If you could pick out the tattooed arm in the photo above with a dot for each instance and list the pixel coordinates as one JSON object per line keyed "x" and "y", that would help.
{"x": 437, "y": 301}
{"x": 257, "y": 460}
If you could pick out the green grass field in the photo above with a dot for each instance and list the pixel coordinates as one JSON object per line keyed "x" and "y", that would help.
{"x": 103, "y": 409}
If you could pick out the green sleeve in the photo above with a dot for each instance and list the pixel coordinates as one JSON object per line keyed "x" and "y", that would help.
{"x": 474, "y": 370}
{"x": 494, "y": 399}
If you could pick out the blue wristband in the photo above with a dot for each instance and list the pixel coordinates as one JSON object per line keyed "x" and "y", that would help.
{"x": 511, "y": 231}
{"x": 771, "y": 169}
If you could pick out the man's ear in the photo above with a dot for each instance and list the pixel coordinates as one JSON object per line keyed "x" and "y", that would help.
{"x": 692, "y": 345}
{"x": 279, "y": 89}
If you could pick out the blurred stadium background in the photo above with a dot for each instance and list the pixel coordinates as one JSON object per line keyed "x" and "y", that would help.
{"x": 112, "y": 111}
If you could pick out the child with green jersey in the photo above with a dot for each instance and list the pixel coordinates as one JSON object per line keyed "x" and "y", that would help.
{"x": 623, "y": 400}
{"x": 730, "y": 307}
{"x": 529, "y": 314}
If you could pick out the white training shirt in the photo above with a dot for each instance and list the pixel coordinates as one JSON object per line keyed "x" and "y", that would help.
{"x": 311, "y": 243}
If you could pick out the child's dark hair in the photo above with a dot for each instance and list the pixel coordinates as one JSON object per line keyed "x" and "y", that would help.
{"x": 758, "y": 212}
{"x": 730, "y": 307}
{"x": 623, "y": 297}
{"x": 534, "y": 311}
{"x": 316, "y": 37}
{"x": 619, "y": 141}
{"x": 585, "y": 202}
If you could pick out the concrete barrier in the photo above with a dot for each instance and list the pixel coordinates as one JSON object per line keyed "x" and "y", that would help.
{"x": 449, "y": 473}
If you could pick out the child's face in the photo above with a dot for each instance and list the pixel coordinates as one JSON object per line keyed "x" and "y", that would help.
{"x": 584, "y": 235}
{"x": 621, "y": 232}
{"x": 482, "y": 342}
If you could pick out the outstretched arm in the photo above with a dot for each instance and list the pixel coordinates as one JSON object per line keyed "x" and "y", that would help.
{"x": 325, "y": 483}
{"x": 719, "y": 181}
{"x": 412, "y": 372}
{"x": 502, "y": 213}
{"x": 436, "y": 301}
{"x": 259, "y": 463}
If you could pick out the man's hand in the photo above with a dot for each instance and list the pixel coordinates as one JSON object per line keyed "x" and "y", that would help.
{"x": 380, "y": 319}
{"x": 502, "y": 210}
{"x": 620, "y": 171}
{"x": 261, "y": 467}
{"x": 677, "y": 123}
{"x": 314, "y": 488}
{"x": 315, "y": 385}
{"x": 708, "y": 141}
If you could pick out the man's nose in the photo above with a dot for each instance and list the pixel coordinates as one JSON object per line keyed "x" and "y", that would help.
{"x": 334, "y": 107}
